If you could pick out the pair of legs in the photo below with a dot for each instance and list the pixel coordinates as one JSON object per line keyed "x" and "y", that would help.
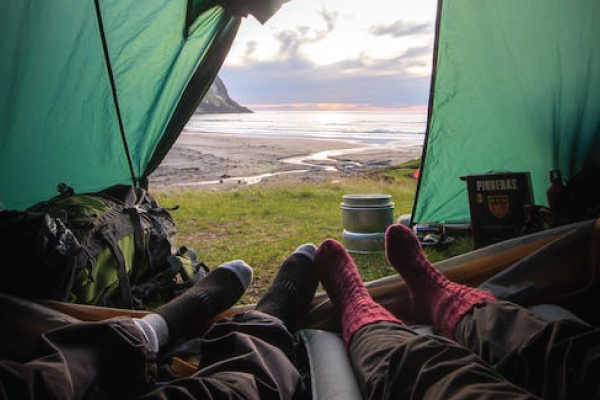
{"x": 249, "y": 355}
{"x": 492, "y": 349}
{"x": 489, "y": 348}
{"x": 246, "y": 356}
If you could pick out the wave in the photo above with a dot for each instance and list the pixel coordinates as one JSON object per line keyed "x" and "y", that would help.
{"x": 357, "y": 126}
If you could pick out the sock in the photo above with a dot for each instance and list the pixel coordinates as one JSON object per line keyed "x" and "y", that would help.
{"x": 293, "y": 289}
{"x": 444, "y": 301}
{"x": 154, "y": 328}
{"x": 345, "y": 287}
{"x": 216, "y": 293}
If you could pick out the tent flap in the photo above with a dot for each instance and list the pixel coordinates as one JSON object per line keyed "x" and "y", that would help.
{"x": 86, "y": 82}
{"x": 515, "y": 89}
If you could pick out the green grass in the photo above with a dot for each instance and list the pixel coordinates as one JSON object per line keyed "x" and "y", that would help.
{"x": 263, "y": 224}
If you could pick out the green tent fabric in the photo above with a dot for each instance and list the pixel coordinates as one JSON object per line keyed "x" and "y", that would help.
{"x": 95, "y": 92}
{"x": 516, "y": 87}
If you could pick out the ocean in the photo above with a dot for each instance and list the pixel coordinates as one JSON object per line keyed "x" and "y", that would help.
{"x": 398, "y": 128}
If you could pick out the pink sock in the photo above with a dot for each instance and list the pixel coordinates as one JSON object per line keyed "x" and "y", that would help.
{"x": 445, "y": 302}
{"x": 341, "y": 279}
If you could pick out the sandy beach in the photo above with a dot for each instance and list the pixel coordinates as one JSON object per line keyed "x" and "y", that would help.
{"x": 224, "y": 161}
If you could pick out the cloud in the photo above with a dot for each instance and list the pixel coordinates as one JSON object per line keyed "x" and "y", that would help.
{"x": 365, "y": 80}
{"x": 402, "y": 29}
{"x": 401, "y": 64}
{"x": 333, "y": 56}
{"x": 330, "y": 18}
{"x": 250, "y": 49}
{"x": 291, "y": 42}
{"x": 296, "y": 81}
{"x": 288, "y": 44}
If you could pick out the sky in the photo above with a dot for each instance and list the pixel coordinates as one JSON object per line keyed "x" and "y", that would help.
{"x": 334, "y": 54}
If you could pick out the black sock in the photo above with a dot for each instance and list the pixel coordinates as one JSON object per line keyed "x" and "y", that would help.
{"x": 293, "y": 289}
{"x": 216, "y": 293}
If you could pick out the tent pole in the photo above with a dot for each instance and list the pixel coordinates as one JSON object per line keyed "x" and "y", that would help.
{"x": 114, "y": 91}
{"x": 429, "y": 110}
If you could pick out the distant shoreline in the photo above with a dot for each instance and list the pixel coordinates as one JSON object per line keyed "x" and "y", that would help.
{"x": 221, "y": 161}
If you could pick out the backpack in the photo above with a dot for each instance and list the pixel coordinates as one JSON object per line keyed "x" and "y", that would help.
{"x": 111, "y": 248}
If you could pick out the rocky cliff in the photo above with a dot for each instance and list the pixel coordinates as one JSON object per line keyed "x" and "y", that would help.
{"x": 217, "y": 100}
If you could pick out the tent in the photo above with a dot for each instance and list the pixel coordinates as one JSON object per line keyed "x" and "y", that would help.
{"x": 95, "y": 92}
{"x": 516, "y": 88}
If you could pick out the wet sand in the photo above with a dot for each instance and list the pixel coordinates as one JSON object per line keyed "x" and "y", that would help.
{"x": 225, "y": 161}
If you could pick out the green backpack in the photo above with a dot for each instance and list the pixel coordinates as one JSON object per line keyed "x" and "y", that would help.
{"x": 113, "y": 248}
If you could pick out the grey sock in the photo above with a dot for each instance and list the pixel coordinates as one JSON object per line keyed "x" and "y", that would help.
{"x": 293, "y": 288}
{"x": 159, "y": 326}
{"x": 217, "y": 292}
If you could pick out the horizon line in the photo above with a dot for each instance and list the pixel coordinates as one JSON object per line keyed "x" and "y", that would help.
{"x": 333, "y": 107}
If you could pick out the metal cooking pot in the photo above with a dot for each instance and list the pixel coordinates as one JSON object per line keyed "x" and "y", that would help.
{"x": 365, "y": 218}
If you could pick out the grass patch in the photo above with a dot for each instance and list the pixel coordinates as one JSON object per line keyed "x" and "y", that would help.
{"x": 263, "y": 224}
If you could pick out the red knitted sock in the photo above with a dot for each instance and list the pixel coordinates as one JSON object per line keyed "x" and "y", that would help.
{"x": 341, "y": 279}
{"x": 445, "y": 302}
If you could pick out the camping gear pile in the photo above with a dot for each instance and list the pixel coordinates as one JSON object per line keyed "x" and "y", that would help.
{"x": 113, "y": 248}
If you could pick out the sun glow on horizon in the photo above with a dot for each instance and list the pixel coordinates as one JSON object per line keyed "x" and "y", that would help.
{"x": 334, "y": 107}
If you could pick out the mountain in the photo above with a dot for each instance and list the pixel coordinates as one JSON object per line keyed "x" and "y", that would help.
{"x": 217, "y": 100}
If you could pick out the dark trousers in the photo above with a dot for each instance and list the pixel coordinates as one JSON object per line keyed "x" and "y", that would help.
{"x": 501, "y": 351}
{"x": 248, "y": 356}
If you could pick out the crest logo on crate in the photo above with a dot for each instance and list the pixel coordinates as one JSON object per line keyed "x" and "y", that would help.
{"x": 498, "y": 206}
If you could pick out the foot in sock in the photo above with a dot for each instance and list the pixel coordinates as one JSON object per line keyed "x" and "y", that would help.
{"x": 293, "y": 289}
{"x": 444, "y": 302}
{"x": 344, "y": 285}
{"x": 216, "y": 293}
